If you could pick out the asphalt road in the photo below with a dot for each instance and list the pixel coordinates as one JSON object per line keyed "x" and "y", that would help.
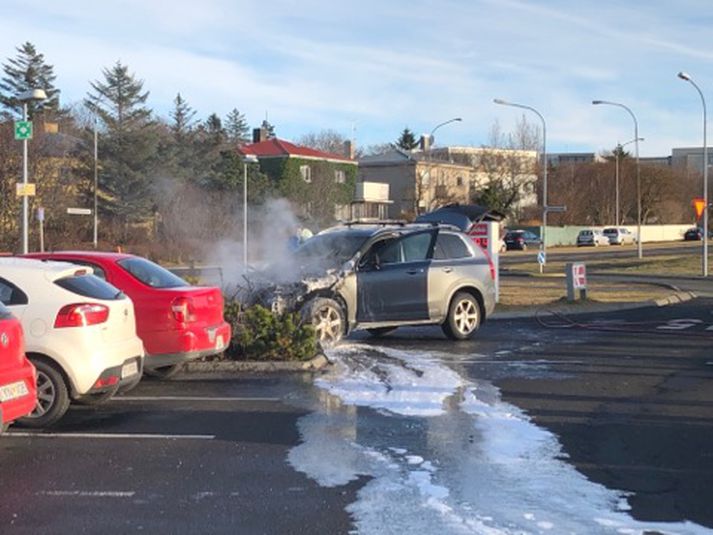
{"x": 574, "y": 254}
{"x": 626, "y": 396}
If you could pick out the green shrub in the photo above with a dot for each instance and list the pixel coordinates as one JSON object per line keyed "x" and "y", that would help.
{"x": 258, "y": 334}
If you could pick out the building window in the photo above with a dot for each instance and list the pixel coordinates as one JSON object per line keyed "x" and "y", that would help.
{"x": 340, "y": 177}
{"x": 306, "y": 173}
{"x": 459, "y": 181}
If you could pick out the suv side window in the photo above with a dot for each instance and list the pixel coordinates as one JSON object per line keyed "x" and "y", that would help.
{"x": 415, "y": 246}
{"x": 450, "y": 246}
{"x": 11, "y": 294}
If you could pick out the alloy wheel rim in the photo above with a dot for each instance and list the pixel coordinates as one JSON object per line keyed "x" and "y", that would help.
{"x": 466, "y": 316}
{"x": 46, "y": 394}
{"x": 327, "y": 324}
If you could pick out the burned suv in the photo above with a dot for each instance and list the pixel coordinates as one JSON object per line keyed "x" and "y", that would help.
{"x": 380, "y": 277}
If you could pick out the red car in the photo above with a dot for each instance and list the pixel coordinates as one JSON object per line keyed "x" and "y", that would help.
{"x": 18, "y": 393}
{"x": 176, "y": 321}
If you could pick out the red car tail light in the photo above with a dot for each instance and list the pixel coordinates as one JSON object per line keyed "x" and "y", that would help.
{"x": 81, "y": 315}
{"x": 182, "y": 309}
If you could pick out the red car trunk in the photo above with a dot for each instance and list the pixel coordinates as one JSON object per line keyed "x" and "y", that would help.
{"x": 18, "y": 394}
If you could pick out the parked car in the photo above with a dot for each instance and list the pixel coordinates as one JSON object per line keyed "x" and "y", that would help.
{"x": 521, "y": 240}
{"x": 619, "y": 236}
{"x": 18, "y": 393}
{"x": 80, "y": 334}
{"x": 695, "y": 234}
{"x": 379, "y": 278}
{"x": 592, "y": 237}
{"x": 176, "y": 321}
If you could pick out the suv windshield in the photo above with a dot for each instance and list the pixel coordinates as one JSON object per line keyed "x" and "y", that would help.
{"x": 151, "y": 274}
{"x": 339, "y": 246}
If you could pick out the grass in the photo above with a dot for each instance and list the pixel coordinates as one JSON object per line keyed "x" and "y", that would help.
{"x": 534, "y": 291}
{"x": 684, "y": 264}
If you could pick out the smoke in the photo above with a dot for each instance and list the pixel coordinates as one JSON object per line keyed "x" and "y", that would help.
{"x": 270, "y": 227}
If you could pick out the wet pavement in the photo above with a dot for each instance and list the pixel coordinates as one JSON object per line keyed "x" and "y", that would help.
{"x": 604, "y": 426}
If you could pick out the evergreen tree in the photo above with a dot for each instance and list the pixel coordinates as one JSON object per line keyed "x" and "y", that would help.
{"x": 407, "y": 140}
{"x": 128, "y": 145}
{"x": 182, "y": 119}
{"x": 26, "y": 71}
{"x": 269, "y": 128}
{"x": 214, "y": 131}
{"x": 237, "y": 128}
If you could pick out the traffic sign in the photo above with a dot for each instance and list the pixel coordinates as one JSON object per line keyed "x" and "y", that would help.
{"x": 556, "y": 209}
{"x": 541, "y": 258}
{"x": 23, "y": 130}
{"x": 699, "y": 204}
{"x": 40, "y": 213}
{"x": 25, "y": 190}
{"x": 79, "y": 211}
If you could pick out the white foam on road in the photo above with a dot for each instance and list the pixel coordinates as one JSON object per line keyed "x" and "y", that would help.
{"x": 491, "y": 469}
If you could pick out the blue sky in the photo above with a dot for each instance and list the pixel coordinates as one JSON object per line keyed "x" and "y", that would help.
{"x": 374, "y": 67}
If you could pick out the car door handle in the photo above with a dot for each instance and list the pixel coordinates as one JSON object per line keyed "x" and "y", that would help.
{"x": 447, "y": 269}
{"x": 414, "y": 271}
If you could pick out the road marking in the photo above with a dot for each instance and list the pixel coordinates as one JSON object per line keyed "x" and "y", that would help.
{"x": 151, "y": 436}
{"x": 189, "y": 398}
{"x": 89, "y": 493}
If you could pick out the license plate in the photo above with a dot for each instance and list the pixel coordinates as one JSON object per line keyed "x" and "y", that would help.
{"x": 219, "y": 343}
{"x": 129, "y": 369}
{"x": 13, "y": 391}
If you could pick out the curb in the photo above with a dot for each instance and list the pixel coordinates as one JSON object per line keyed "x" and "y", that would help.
{"x": 317, "y": 363}
{"x": 678, "y": 297}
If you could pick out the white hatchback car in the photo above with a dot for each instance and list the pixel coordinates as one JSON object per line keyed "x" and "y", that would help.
{"x": 80, "y": 333}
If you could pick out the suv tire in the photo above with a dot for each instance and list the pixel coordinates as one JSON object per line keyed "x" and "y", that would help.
{"x": 463, "y": 318}
{"x": 327, "y": 317}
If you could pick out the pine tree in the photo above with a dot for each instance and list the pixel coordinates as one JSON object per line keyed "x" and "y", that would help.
{"x": 182, "y": 116}
{"x": 269, "y": 128}
{"x": 407, "y": 140}
{"x": 214, "y": 131}
{"x": 128, "y": 144}
{"x": 26, "y": 71}
{"x": 237, "y": 128}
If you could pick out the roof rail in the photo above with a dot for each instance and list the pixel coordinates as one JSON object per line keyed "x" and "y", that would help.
{"x": 380, "y": 222}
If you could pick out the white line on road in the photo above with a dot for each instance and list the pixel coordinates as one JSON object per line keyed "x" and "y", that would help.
{"x": 189, "y": 398}
{"x": 89, "y": 493}
{"x": 151, "y": 436}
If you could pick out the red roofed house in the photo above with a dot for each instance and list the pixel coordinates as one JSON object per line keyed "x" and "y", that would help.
{"x": 321, "y": 184}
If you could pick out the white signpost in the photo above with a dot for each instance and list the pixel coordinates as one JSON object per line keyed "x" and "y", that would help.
{"x": 487, "y": 235}
{"x": 79, "y": 211}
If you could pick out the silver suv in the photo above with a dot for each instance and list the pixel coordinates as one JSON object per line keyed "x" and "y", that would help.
{"x": 392, "y": 276}
{"x": 619, "y": 236}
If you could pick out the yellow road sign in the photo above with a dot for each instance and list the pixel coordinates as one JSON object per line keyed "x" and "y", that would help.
{"x": 25, "y": 190}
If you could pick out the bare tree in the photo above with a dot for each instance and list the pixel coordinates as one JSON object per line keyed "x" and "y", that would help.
{"x": 328, "y": 140}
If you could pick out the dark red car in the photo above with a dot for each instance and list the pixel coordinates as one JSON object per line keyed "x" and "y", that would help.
{"x": 176, "y": 321}
{"x": 18, "y": 392}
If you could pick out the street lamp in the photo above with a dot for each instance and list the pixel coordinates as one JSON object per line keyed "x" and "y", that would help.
{"x": 619, "y": 148}
{"x": 543, "y": 244}
{"x": 686, "y": 77}
{"x": 638, "y": 172}
{"x": 449, "y": 121}
{"x": 247, "y": 158}
{"x": 37, "y": 95}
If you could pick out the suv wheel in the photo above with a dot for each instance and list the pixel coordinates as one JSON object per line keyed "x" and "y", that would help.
{"x": 327, "y": 318}
{"x": 52, "y": 396}
{"x": 463, "y": 317}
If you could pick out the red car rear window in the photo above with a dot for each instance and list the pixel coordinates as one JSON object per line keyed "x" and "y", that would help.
{"x": 151, "y": 274}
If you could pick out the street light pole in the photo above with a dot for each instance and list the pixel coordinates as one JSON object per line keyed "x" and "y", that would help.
{"x": 444, "y": 123}
{"x": 704, "y": 266}
{"x": 619, "y": 148}
{"x": 25, "y": 206}
{"x": 248, "y": 158}
{"x": 640, "y": 249}
{"x": 96, "y": 183}
{"x": 543, "y": 244}
{"x": 25, "y": 97}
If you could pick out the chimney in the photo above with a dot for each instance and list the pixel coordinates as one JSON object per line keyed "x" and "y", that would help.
{"x": 259, "y": 134}
{"x": 349, "y": 149}
{"x": 425, "y": 142}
